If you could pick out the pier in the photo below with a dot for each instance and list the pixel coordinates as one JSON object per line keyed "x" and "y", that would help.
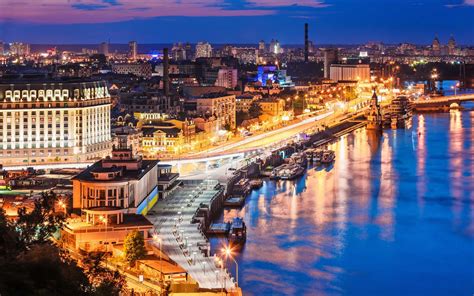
{"x": 180, "y": 222}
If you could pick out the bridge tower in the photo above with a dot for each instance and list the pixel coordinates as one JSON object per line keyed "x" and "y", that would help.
{"x": 374, "y": 118}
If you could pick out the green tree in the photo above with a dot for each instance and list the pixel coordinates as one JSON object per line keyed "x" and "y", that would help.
{"x": 255, "y": 110}
{"x": 134, "y": 247}
{"x": 32, "y": 264}
{"x": 103, "y": 280}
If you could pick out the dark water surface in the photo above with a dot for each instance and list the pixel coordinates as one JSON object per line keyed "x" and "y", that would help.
{"x": 393, "y": 216}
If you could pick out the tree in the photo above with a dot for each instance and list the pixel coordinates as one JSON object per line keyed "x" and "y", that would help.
{"x": 38, "y": 225}
{"x": 240, "y": 116}
{"x": 134, "y": 247}
{"x": 32, "y": 264}
{"x": 255, "y": 110}
{"x": 103, "y": 280}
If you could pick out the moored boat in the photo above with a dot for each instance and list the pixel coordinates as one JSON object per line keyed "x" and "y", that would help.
{"x": 328, "y": 156}
{"x": 238, "y": 233}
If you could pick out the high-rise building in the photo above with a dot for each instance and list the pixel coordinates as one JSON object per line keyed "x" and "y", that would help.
{"x": 19, "y": 48}
{"x": 132, "y": 50}
{"x": 203, "y": 50}
{"x": 2, "y": 48}
{"x": 48, "y": 120}
{"x": 330, "y": 57}
{"x": 104, "y": 48}
{"x": 227, "y": 77}
{"x": 436, "y": 47}
{"x": 261, "y": 46}
{"x": 178, "y": 52}
{"x": 275, "y": 47}
{"x": 189, "y": 51}
{"x": 451, "y": 46}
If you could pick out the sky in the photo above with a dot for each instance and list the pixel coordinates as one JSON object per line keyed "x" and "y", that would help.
{"x": 236, "y": 21}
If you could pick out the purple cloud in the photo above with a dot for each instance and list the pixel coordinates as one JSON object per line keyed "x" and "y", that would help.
{"x": 102, "y": 11}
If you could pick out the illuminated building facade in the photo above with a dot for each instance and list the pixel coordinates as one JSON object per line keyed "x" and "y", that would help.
{"x": 203, "y": 50}
{"x": 227, "y": 78}
{"x": 222, "y": 107}
{"x": 47, "y": 121}
{"x": 132, "y": 50}
{"x": 343, "y": 72}
{"x": 111, "y": 197}
{"x": 19, "y": 49}
{"x": 137, "y": 69}
{"x": 164, "y": 137}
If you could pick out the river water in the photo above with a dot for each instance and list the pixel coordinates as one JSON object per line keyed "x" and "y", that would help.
{"x": 394, "y": 215}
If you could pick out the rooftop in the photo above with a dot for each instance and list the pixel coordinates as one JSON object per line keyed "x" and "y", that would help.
{"x": 86, "y": 175}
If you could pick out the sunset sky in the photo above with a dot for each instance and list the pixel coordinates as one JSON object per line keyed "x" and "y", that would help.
{"x": 235, "y": 21}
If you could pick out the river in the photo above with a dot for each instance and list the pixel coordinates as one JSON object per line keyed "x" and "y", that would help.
{"x": 394, "y": 215}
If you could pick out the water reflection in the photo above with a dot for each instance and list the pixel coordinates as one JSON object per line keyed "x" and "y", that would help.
{"x": 394, "y": 214}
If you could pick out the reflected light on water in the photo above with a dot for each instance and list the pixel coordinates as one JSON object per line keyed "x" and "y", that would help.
{"x": 456, "y": 156}
{"x": 372, "y": 222}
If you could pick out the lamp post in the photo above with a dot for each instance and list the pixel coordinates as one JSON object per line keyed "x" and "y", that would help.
{"x": 455, "y": 87}
{"x": 104, "y": 220}
{"x": 228, "y": 254}
{"x": 157, "y": 239}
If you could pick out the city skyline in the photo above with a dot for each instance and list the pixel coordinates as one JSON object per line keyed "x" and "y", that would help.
{"x": 331, "y": 21}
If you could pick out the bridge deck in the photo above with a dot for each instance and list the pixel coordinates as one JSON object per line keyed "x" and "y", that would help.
{"x": 445, "y": 100}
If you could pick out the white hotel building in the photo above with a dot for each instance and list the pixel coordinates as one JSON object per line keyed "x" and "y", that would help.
{"x": 53, "y": 120}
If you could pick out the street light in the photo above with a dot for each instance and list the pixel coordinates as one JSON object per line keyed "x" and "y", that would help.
{"x": 228, "y": 254}
{"x": 455, "y": 87}
{"x": 105, "y": 220}
{"x": 62, "y": 205}
{"x": 157, "y": 239}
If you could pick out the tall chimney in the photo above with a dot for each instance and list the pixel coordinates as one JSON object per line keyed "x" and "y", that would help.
{"x": 166, "y": 72}
{"x": 306, "y": 43}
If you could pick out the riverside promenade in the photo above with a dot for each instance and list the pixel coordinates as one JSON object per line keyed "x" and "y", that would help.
{"x": 183, "y": 241}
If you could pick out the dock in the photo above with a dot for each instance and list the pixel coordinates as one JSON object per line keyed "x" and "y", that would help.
{"x": 219, "y": 228}
{"x": 235, "y": 201}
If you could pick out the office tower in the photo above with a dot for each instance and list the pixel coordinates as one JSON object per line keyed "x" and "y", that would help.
{"x": 203, "y": 50}
{"x": 104, "y": 48}
{"x": 132, "y": 50}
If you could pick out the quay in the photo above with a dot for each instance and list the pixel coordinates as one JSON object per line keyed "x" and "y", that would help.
{"x": 180, "y": 227}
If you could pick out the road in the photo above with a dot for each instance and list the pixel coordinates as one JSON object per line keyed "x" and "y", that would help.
{"x": 268, "y": 138}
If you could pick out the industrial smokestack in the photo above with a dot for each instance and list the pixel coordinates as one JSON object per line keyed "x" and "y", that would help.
{"x": 166, "y": 72}
{"x": 306, "y": 43}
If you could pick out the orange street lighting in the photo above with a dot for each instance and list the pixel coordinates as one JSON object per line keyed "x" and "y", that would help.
{"x": 228, "y": 253}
